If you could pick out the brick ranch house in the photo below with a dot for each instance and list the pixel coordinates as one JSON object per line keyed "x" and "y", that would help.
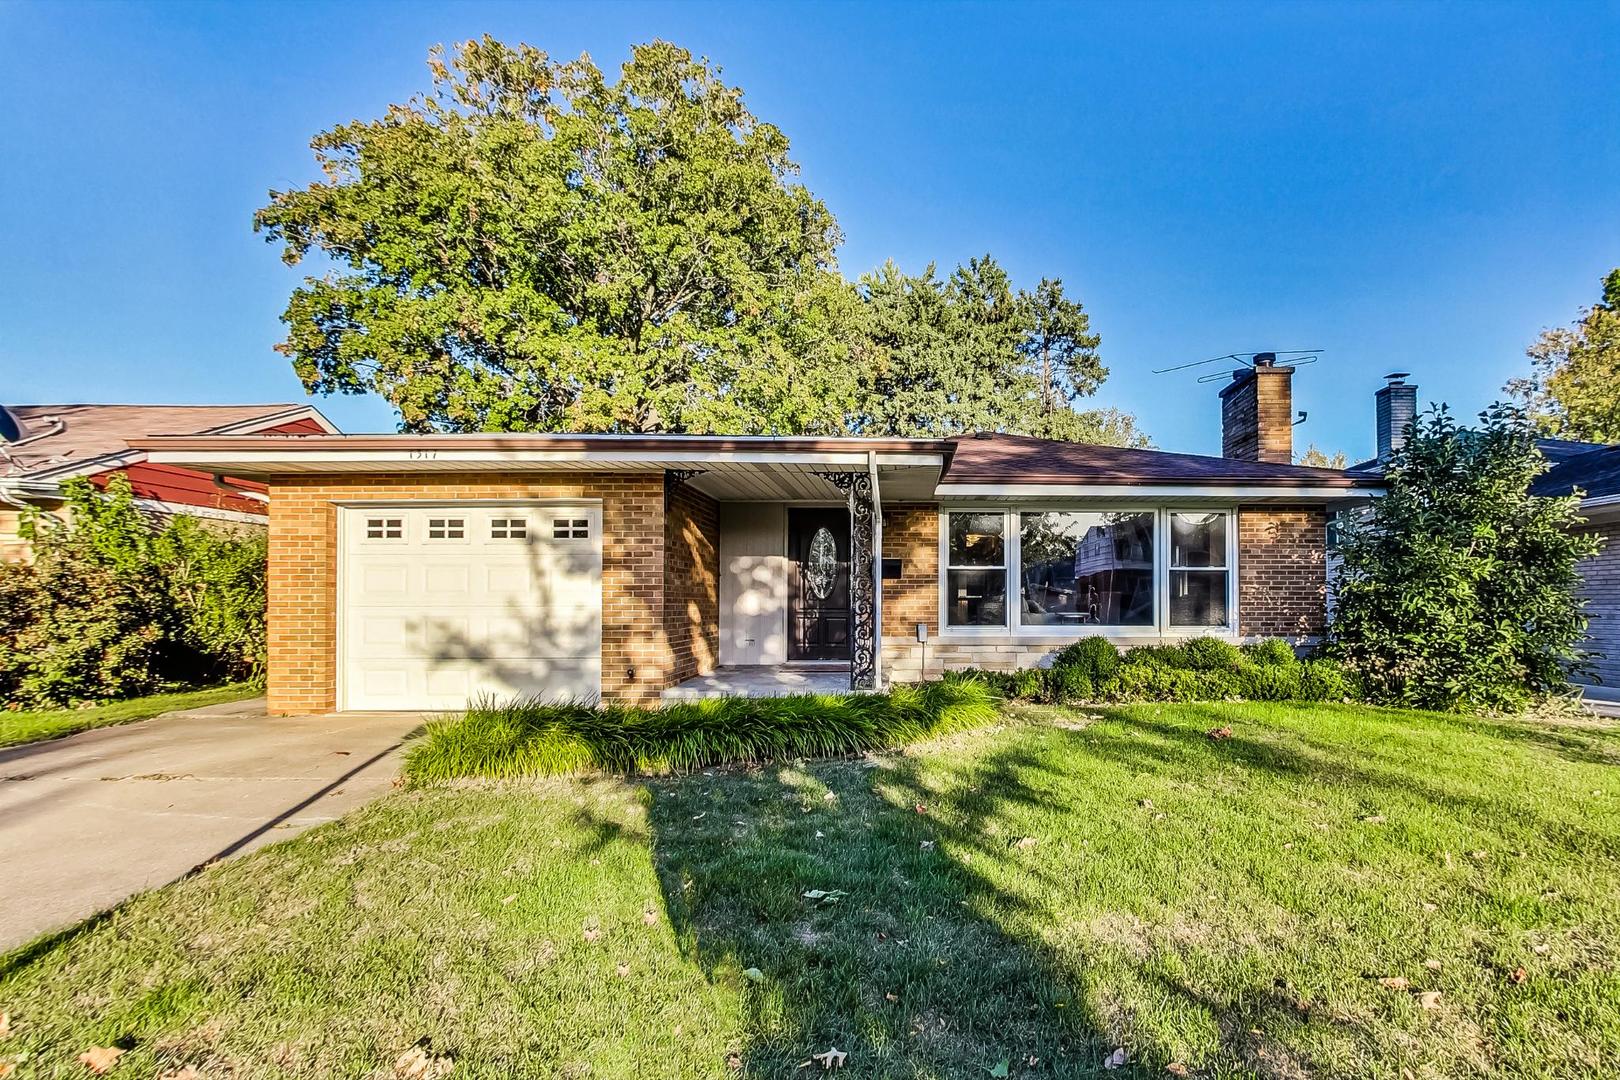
{"x": 418, "y": 571}
{"x": 41, "y": 446}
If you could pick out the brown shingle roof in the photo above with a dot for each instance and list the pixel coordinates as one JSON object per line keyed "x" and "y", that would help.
{"x": 1019, "y": 459}
{"x": 89, "y": 432}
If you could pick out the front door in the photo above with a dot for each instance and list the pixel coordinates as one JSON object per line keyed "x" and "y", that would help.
{"x": 818, "y": 583}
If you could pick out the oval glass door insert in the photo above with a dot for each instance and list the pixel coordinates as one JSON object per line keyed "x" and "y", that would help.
{"x": 821, "y": 566}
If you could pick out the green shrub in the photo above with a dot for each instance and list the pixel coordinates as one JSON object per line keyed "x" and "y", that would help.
{"x": 1460, "y": 590}
{"x": 1212, "y": 654}
{"x": 1271, "y": 651}
{"x": 1327, "y": 680}
{"x": 118, "y": 604}
{"x": 1173, "y": 657}
{"x": 1069, "y": 684}
{"x": 530, "y": 738}
{"x": 1269, "y": 682}
{"x": 1154, "y": 682}
{"x": 1095, "y": 656}
{"x": 1026, "y": 684}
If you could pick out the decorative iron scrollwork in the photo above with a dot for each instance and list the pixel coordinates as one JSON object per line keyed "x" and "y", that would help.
{"x": 857, "y": 489}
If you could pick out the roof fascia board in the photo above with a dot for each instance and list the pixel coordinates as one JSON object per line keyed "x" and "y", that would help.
{"x": 408, "y": 456}
{"x": 1153, "y": 491}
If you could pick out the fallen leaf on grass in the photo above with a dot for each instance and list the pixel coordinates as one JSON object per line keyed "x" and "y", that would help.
{"x": 1430, "y": 907}
{"x": 1394, "y": 982}
{"x": 1429, "y": 999}
{"x": 592, "y": 933}
{"x": 1118, "y": 1059}
{"x": 1432, "y": 965}
{"x": 1374, "y": 819}
{"x": 1025, "y": 842}
{"x": 417, "y": 1064}
{"x": 509, "y": 899}
{"x": 753, "y": 975}
{"x": 926, "y": 845}
{"x": 891, "y": 998}
{"x": 98, "y": 1059}
{"x": 1176, "y": 1068}
{"x": 1519, "y": 975}
{"x": 1215, "y": 733}
{"x": 824, "y": 897}
{"x": 5, "y": 1024}
{"x": 1000, "y": 1068}
{"x": 649, "y": 917}
{"x": 920, "y": 808}
{"x": 830, "y": 1059}
{"x": 623, "y": 970}
{"x": 6, "y": 1067}
{"x": 734, "y": 1062}
{"x": 1540, "y": 950}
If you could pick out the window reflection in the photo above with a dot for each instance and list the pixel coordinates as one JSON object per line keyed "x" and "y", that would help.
{"x": 1086, "y": 569}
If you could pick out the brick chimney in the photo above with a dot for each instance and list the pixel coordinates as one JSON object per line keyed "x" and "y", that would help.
{"x": 1396, "y": 405}
{"x": 1257, "y": 412}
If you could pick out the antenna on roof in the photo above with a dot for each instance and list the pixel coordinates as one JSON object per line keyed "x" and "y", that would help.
{"x": 1261, "y": 358}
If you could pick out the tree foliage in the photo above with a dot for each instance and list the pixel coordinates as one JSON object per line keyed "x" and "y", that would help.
{"x": 939, "y": 356}
{"x": 1317, "y": 458}
{"x": 117, "y": 604}
{"x": 1573, "y": 390}
{"x": 532, "y": 246}
{"x": 1459, "y": 590}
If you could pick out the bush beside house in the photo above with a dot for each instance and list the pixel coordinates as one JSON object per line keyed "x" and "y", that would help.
{"x": 117, "y": 603}
{"x": 1204, "y": 669}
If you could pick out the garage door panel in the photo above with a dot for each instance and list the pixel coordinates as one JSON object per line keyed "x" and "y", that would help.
{"x": 431, "y": 623}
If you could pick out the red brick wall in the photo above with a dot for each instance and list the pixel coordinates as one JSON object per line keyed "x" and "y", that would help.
{"x": 692, "y": 581}
{"x": 1282, "y": 571}
{"x": 636, "y": 654}
{"x": 911, "y": 534}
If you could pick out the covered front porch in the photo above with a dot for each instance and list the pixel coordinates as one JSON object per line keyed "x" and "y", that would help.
{"x": 797, "y": 595}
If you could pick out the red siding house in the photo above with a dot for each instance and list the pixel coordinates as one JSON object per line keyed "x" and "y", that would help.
{"x": 43, "y": 445}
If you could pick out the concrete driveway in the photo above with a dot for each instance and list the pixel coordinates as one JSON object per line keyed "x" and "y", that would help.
{"x": 91, "y": 819}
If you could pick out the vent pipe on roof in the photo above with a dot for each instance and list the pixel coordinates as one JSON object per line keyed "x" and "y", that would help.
{"x": 1395, "y": 406}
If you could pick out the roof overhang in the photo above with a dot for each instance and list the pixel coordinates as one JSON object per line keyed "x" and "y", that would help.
{"x": 1162, "y": 492}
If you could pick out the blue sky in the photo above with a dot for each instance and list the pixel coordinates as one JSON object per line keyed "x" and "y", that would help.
{"x": 1413, "y": 187}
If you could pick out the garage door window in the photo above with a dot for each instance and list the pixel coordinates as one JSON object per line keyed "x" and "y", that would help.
{"x": 385, "y": 528}
{"x": 570, "y": 528}
{"x": 447, "y": 528}
{"x": 509, "y": 528}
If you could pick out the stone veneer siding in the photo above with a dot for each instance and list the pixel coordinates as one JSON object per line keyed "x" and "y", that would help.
{"x": 637, "y": 660}
{"x": 691, "y": 581}
{"x": 1600, "y": 584}
{"x": 1282, "y": 571}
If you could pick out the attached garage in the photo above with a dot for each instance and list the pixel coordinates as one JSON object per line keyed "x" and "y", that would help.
{"x": 442, "y": 603}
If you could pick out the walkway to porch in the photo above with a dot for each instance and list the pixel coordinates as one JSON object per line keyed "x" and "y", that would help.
{"x": 761, "y": 681}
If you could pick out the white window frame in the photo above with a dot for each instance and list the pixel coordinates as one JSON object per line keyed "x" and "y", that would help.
{"x": 1012, "y": 531}
{"x": 1008, "y": 554}
{"x": 1230, "y": 628}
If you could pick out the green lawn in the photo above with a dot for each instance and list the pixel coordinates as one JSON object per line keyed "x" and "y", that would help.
{"x": 26, "y": 727}
{"x": 1024, "y": 900}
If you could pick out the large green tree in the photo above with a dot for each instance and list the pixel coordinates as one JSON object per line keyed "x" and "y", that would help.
{"x": 532, "y": 246}
{"x": 967, "y": 352}
{"x": 1460, "y": 590}
{"x": 1573, "y": 390}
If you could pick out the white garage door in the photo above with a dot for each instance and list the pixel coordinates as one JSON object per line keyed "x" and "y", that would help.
{"x": 442, "y": 604}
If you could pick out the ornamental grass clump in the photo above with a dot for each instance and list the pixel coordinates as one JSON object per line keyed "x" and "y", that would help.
{"x": 534, "y": 738}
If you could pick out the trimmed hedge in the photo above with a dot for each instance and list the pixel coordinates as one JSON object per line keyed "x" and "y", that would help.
{"x": 533, "y": 738}
{"x": 1204, "y": 669}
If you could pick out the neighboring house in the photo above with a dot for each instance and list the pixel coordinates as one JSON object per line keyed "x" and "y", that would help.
{"x": 43, "y": 445}
{"x": 419, "y": 571}
{"x": 1593, "y": 470}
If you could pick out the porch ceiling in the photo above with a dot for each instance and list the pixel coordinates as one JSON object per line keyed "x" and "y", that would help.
{"x": 753, "y": 482}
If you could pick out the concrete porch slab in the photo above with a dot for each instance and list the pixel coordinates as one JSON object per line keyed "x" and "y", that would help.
{"x": 761, "y": 682}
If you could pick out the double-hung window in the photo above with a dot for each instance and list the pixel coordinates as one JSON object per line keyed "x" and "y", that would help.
{"x": 976, "y": 569}
{"x": 1199, "y": 584}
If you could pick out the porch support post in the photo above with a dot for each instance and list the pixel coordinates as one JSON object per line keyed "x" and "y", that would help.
{"x": 860, "y": 490}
